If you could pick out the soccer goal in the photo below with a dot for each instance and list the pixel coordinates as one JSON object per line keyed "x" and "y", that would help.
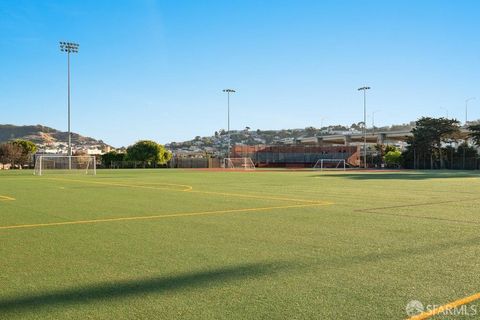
{"x": 239, "y": 163}
{"x": 328, "y": 164}
{"x": 65, "y": 164}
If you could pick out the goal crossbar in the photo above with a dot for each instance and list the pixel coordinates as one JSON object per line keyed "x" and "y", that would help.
{"x": 65, "y": 164}
{"x": 239, "y": 163}
{"x": 324, "y": 164}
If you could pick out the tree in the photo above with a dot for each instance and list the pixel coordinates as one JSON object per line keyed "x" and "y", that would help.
{"x": 28, "y": 148}
{"x": 428, "y": 136}
{"x": 389, "y": 148}
{"x": 382, "y": 150}
{"x": 393, "y": 158}
{"x": 475, "y": 133}
{"x": 310, "y": 131}
{"x": 148, "y": 152}
{"x": 10, "y": 153}
{"x": 357, "y": 126}
{"x": 111, "y": 157}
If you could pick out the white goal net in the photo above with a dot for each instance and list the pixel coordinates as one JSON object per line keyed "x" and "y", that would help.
{"x": 329, "y": 164}
{"x": 65, "y": 164}
{"x": 239, "y": 163}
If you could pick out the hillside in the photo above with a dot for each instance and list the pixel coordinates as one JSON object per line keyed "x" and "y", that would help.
{"x": 219, "y": 141}
{"x": 40, "y": 135}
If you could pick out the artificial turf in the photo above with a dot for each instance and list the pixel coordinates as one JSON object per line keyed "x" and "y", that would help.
{"x": 236, "y": 245}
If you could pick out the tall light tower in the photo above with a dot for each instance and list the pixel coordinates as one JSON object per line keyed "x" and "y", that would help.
{"x": 321, "y": 123}
{"x": 364, "y": 89}
{"x": 69, "y": 47}
{"x": 466, "y": 140}
{"x": 466, "y": 108}
{"x": 373, "y": 120}
{"x": 321, "y": 129}
{"x": 228, "y": 91}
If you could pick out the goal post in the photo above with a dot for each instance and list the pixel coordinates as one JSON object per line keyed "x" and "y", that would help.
{"x": 65, "y": 164}
{"x": 239, "y": 163}
{"x": 328, "y": 164}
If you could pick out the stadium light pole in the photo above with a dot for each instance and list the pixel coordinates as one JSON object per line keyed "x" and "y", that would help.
{"x": 321, "y": 128}
{"x": 69, "y": 47}
{"x": 364, "y": 89}
{"x": 373, "y": 120}
{"x": 466, "y": 140}
{"x": 228, "y": 91}
{"x": 466, "y": 109}
{"x": 321, "y": 123}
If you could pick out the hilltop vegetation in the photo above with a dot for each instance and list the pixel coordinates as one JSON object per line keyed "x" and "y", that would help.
{"x": 39, "y": 134}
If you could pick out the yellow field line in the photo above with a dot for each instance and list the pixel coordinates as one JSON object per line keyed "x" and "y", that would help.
{"x": 186, "y": 187}
{"x": 5, "y": 198}
{"x": 449, "y": 306}
{"x": 190, "y": 189}
{"x": 174, "y": 215}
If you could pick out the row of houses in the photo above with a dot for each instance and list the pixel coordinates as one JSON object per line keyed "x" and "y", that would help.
{"x": 62, "y": 148}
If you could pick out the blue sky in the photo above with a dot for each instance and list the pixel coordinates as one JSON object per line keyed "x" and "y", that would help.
{"x": 155, "y": 69}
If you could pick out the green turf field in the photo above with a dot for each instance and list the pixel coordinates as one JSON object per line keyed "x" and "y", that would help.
{"x": 173, "y": 244}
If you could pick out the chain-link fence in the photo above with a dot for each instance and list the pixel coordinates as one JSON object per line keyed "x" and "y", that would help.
{"x": 296, "y": 156}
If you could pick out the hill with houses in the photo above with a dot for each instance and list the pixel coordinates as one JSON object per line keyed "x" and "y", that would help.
{"x": 51, "y": 140}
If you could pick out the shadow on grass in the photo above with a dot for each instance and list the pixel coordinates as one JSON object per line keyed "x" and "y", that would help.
{"x": 412, "y": 253}
{"x": 125, "y": 289}
{"x": 418, "y": 175}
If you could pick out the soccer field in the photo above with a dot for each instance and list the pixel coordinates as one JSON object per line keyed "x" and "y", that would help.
{"x": 192, "y": 244}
